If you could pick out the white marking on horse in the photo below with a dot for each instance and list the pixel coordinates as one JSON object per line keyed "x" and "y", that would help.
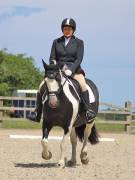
{"x": 75, "y": 105}
{"x": 72, "y": 99}
{"x": 52, "y": 84}
{"x": 70, "y": 82}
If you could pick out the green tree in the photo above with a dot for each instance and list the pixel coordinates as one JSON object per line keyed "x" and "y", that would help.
{"x": 1, "y": 57}
{"x": 18, "y": 72}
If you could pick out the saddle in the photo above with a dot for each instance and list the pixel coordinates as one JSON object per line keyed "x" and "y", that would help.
{"x": 81, "y": 119}
{"x": 76, "y": 88}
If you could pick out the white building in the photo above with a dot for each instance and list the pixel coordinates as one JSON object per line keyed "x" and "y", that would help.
{"x": 28, "y": 103}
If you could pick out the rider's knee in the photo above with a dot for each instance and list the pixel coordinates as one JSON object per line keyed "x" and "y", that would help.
{"x": 81, "y": 80}
{"x": 84, "y": 87}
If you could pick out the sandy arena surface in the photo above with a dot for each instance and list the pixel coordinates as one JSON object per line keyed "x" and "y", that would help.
{"x": 21, "y": 159}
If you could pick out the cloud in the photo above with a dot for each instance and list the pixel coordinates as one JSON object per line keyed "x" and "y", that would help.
{"x": 10, "y": 12}
{"x": 28, "y": 3}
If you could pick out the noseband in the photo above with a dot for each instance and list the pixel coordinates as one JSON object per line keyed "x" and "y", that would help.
{"x": 56, "y": 93}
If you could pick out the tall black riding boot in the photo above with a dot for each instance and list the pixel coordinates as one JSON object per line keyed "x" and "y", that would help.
{"x": 36, "y": 116}
{"x": 90, "y": 114}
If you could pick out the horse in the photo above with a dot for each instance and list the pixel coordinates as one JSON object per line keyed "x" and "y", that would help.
{"x": 62, "y": 107}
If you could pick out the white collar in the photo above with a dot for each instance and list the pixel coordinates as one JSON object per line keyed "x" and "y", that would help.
{"x": 67, "y": 38}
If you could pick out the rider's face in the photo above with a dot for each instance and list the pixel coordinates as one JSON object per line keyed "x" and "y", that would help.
{"x": 68, "y": 31}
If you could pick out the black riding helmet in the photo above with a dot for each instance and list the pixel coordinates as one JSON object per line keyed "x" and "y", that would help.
{"x": 68, "y": 22}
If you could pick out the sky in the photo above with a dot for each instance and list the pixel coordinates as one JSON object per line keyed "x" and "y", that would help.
{"x": 106, "y": 27}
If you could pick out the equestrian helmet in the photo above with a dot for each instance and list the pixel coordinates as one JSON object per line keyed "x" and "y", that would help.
{"x": 68, "y": 22}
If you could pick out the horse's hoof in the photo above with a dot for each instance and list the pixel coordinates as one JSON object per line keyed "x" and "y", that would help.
{"x": 61, "y": 164}
{"x": 84, "y": 158}
{"x": 71, "y": 163}
{"x": 85, "y": 161}
{"x": 47, "y": 157}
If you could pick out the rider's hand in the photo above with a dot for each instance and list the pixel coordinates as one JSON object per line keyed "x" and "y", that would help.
{"x": 68, "y": 72}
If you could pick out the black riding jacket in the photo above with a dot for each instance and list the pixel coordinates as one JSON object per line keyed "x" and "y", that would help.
{"x": 71, "y": 54}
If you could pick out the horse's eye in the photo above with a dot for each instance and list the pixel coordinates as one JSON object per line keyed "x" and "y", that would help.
{"x": 57, "y": 77}
{"x": 56, "y": 74}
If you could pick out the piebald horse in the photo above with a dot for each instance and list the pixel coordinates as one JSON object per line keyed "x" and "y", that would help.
{"x": 62, "y": 107}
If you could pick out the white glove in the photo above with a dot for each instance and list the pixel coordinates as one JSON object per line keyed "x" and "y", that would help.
{"x": 64, "y": 67}
{"x": 68, "y": 72}
{"x": 53, "y": 62}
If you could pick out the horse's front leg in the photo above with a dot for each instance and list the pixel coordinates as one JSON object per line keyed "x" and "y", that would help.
{"x": 62, "y": 161}
{"x": 46, "y": 154}
{"x": 73, "y": 140}
{"x": 84, "y": 155}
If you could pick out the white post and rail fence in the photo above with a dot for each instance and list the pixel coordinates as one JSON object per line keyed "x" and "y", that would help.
{"x": 7, "y": 107}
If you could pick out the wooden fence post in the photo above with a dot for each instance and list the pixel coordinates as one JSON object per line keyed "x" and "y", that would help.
{"x": 128, "y": 105}
{"x": 128, "y": 124}
{"x": 1, "y": 104}
{"x": 1, "y": 112}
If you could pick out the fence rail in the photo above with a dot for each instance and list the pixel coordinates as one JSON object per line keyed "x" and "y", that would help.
{"x": 12, "y": 108}
{"x": 115, "y": 109}
{"x": 16, "y": 98}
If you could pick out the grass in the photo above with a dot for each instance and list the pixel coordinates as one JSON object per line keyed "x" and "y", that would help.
{"x": 105, "y": 127}
{"x": 20, "y": 124}
{"x": 108, "y": 127}
{"x": 133, "y": 123}
{"x": 25, "y": 124}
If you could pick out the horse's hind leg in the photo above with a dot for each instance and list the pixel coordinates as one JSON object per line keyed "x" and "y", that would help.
{"x": 73, "y": 139}
{"x": 84, "y": 155}
{"x": 46, "y": 154}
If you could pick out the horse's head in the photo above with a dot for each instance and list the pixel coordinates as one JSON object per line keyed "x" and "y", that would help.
{"x": 53, "y": 81}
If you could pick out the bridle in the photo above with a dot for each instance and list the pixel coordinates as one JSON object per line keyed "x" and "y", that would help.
{"x": 61, "y": 85}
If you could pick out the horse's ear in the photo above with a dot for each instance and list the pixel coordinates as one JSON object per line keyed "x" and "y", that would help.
{"x": 44, "y": 64}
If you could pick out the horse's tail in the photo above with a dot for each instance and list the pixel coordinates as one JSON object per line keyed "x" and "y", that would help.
{"x": 93, "y": 137}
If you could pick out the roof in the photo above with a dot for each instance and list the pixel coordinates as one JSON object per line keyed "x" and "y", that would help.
{"x": 26, "y": 91}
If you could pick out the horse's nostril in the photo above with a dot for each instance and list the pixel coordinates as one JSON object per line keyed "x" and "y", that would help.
{"x": 53, "y": 101}
{"x": 53, "y": 105}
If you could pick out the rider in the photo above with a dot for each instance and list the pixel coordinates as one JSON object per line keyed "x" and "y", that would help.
{"x": 68, "y": 52}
